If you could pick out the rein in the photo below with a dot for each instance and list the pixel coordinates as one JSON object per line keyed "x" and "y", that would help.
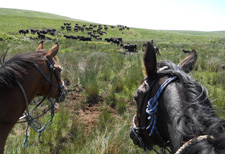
{"x": 191, "y": 141}
{"x": 151, "y": 110}
{"x": 37, "y": 126}
{"x": 32, "y": 122}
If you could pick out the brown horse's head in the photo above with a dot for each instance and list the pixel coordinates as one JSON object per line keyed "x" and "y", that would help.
{"x": 22, "y": 78}
{"x": 53, "y": 85}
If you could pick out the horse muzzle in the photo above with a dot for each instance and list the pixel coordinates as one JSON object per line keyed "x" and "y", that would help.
{"x": 62, "y": 93}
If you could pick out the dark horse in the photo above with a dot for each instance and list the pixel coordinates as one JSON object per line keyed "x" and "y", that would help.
{"x": 173, "y": 110}
{"x": 22, "y": 78}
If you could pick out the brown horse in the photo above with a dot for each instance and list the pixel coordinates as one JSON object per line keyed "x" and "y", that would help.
{"x": 173, "y": 110}
{"x": 22, "y": 78}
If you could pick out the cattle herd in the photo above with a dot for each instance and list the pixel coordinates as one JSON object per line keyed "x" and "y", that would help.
{"x": 92, "y": 31}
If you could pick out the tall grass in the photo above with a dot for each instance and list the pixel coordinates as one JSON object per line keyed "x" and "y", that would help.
{"x": 107, "y": 77}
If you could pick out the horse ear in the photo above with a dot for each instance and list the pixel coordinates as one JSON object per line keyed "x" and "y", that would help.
{"x": 150, "y": 60}
{"x": 53, "y": 51}
{"x": 40, "y": 46}
{"x": 188, "y": 63}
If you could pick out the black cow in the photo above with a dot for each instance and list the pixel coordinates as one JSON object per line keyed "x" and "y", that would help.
{"x": 33, "y": 31}
{"x": 62, "y": 27}
{"x": 24, "y": 32}
{"x": 82, "y": 38}
{"x": 41, "y": 35}
{"x": 130, "y": 47}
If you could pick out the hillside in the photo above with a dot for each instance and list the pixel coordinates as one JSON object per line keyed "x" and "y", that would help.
{"x": 12, "y": 20}
{"x": 102, "y": 78}
{"x": 33, "y": 14}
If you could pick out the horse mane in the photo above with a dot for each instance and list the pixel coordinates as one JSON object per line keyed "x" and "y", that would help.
{"x": 197, "y": 116}
{"x": 15, "y": 68}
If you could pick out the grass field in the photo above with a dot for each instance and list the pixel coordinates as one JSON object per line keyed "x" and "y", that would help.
{"x": 97, "y": 114}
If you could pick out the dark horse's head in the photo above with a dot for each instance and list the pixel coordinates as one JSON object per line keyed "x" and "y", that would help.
{"x": 173, "y": 110}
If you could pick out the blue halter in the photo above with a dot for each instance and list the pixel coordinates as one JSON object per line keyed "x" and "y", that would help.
{"x": 151, "y": 109}
{"x": 152, "y": 106}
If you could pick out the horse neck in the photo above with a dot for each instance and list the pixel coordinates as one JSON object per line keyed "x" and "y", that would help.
{"x": 13, "y": 104}
{"x": 169, "y": 108}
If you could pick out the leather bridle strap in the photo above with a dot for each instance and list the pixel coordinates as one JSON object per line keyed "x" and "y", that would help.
{"x": 45, "y": 76}
{"x": 51, "y": 67}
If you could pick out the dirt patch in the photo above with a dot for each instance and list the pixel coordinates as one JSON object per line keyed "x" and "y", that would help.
{"x": 88, "y": 114}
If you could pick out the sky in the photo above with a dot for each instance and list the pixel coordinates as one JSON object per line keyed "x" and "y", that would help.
{"x": 198, "y": 15}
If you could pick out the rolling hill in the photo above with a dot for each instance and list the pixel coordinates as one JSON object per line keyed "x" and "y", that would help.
{"x": 33, "y": 14}
{"x": 14, "y": 19}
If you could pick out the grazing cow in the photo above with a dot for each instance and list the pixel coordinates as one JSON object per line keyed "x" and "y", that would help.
{"x": 33, "y": 31}
{"x": 99, "y": 29}
{"x": 67, "y": 36}
{"x": 68, "y": 28}
{"x": 98, "y": 38}
{"x": 24, "y": 32}
{"x": 74, "y": 37}
{"x": 51, "y": 31}
{"x": 101, "y": 33}
{"x": 62, "y": 27}
{"x": 67, "y": 24}
{"x": 156, "y": 50}
{"x": 41, "y": 35}
{"x": 152, "y": 41}
{"x": 120, "y": 39}
{"x": 129, "y": 47}
{"x": 108, "y": 39}
{"x": 115, "y": 40}
{"x": 82, "y": 38}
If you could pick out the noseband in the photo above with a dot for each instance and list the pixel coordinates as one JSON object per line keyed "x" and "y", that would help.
{"x": 151, "y": 109}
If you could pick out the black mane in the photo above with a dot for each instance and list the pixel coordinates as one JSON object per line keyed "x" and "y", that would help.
{"x": 197, "y": 114}
{"x": 15, "y": 68}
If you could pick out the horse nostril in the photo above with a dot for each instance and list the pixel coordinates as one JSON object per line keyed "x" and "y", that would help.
{"x": 67, "y": 82}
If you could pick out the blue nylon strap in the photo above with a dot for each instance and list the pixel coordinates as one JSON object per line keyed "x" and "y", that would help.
{"x": 152, "y": 105}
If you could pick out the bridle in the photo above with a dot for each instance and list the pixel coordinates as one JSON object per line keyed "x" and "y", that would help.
{"x": 52, "y": 69}
{"x": 151, "y": 109}
{"x": 37, "y": 126}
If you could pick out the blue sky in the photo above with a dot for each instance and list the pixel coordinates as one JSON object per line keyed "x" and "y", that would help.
{"x": 200, "y": 15}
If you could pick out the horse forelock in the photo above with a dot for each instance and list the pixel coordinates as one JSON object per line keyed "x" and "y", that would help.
{"x": 15, "y": 68}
